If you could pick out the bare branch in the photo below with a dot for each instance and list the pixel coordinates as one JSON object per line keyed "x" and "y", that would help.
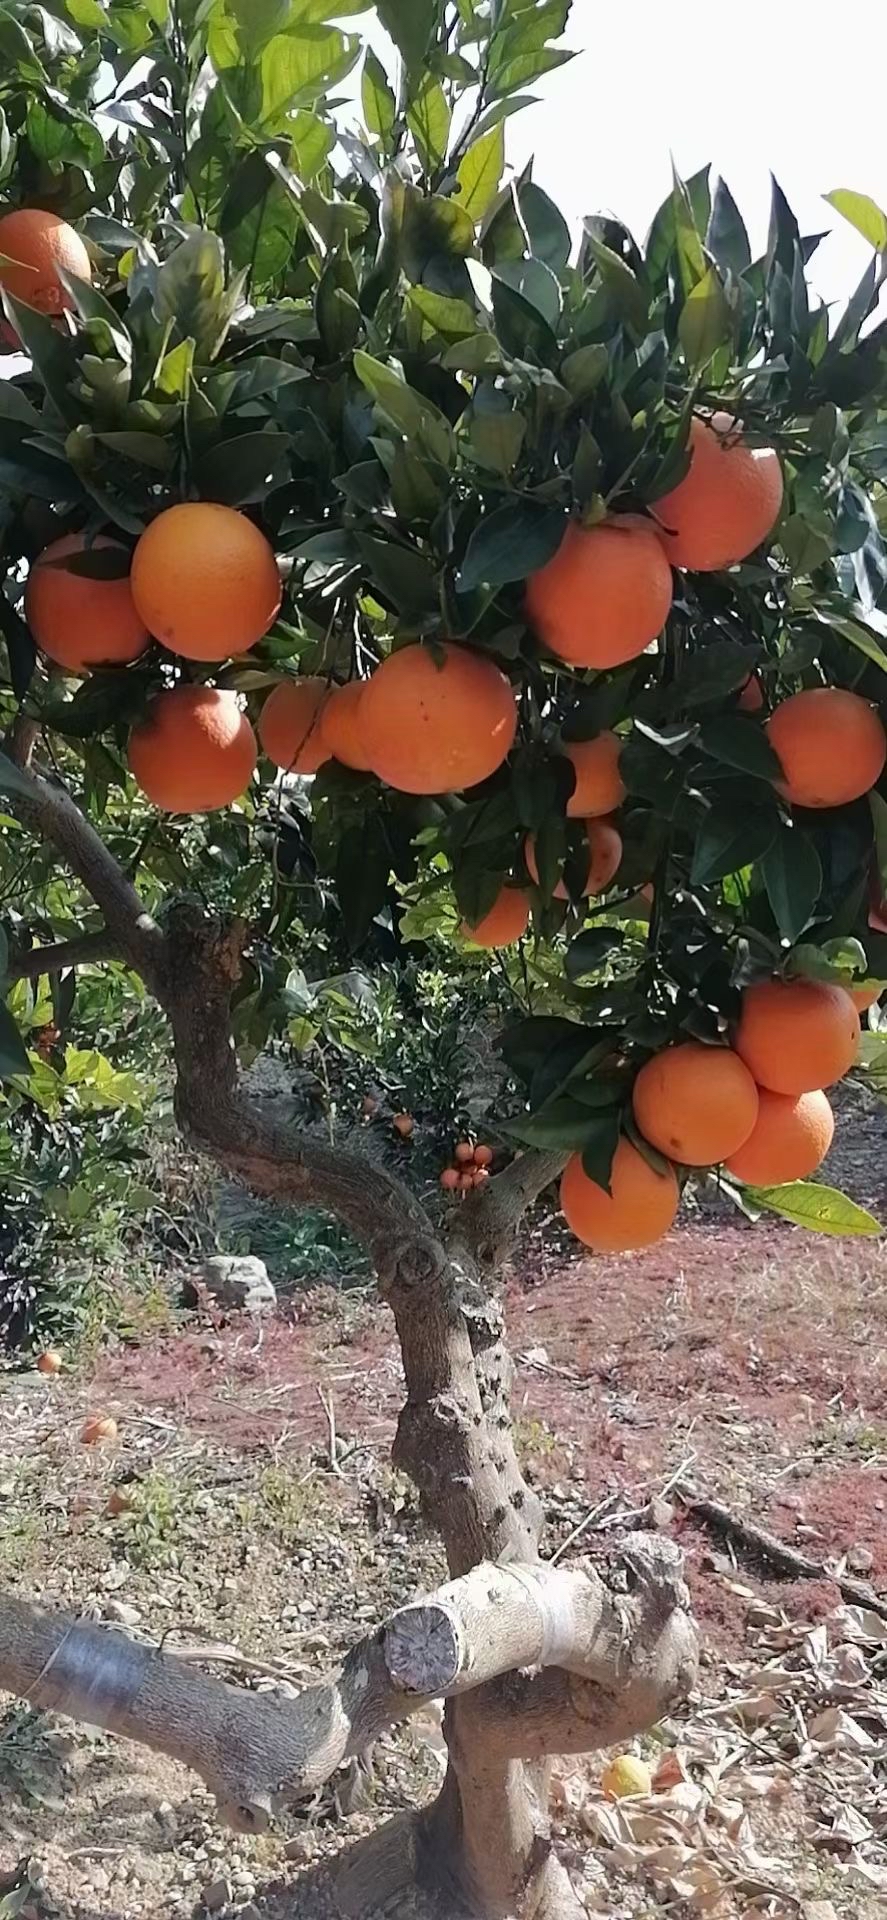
{"x": 257, "y": 1752}
{"x": 88, "y": 949}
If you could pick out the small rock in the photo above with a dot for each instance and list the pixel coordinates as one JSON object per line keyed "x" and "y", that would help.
{"x": 217, "y": 1895}
{"x": 236, "y": 1281}
{"x": 860, "y": 1560}
{"x": 818, "y": 1910}
{"x": 123, "y": 1613}
{"x": 249, "y": 1912}
{"x": 297, "y": 1849}
{"x": 659, "y": 1514}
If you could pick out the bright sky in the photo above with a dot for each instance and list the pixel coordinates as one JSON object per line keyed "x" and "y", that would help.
{"x": 750, "y": 90}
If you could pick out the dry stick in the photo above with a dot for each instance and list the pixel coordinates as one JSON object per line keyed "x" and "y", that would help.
{"x": 769, "y": 1547}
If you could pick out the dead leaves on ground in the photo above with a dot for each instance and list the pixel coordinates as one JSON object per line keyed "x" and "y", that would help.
{"x": 791, "y": 1758}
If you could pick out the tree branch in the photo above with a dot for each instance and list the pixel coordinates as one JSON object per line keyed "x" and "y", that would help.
{"x": 49, "y": 811}
{"x": 258, "y": 1752}
{"x": 87, "y": 949}
{"x": 488, "y": 1221}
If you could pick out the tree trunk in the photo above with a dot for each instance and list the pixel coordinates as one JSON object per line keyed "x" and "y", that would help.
{"x": 533, "y": 1660}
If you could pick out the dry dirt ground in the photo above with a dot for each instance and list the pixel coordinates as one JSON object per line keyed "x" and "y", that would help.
{"x": 267, "y": 1530}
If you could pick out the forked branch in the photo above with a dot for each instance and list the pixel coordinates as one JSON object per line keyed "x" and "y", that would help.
{"x": 618, "y": 1652}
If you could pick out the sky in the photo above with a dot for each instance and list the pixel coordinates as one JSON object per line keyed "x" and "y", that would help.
{"x": 750, "y": 89}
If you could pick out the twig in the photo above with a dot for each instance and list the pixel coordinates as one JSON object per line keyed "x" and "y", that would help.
{"x": 328, "y": 1405}
{"x": 768, "y": 1547}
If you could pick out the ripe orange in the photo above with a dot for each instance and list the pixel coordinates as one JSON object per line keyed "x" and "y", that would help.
{"x": 865, "y": 997}
{"x": 751, "y": 698}
{"x": 831, "y": 744}
{"x": 789, "y": 1139}
{"x": 99, "y": 1427}
{"x": 464, "y": 1153}
{"x": 599, "y": 785}
{"x": 37, "y": 244}
{"x": 505, "y": 922}
{"x": 340, "y": 726}
{"x": 604, "y": 595}
{"x": 696, "y": 1104}
{"x": 639, "y": 1209}
{"x": 480, "y": 1176}
{"x": 205, "y": 580}
{"x": 465, "y": 1180}
{"x": 436, "y": 721}
{"x": 728, "y": 502}
{"x": 403, "y": 1124}
{"x": 50, "y": 1361}
{"x": 290, "y": 725}
{"x": 449, "y": 1179}
{"x": 79, "y": 621}
{"x": 193, "y": 751}
{"x": 604, "y": 856}
{"x": 797, "y": 1035}
{"x": 483, "y": 1156}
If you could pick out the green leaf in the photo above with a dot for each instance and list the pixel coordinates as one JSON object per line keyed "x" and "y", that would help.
{"x": 428, "y": 118}
{"x": 629, "y": 297}
{"x": 740, "y": 742}
{"x": 190, "y": 291}
{"x": 821, "y": 1209}
{"x": 705, "y": 323}
{"x": 524, "y": 69}
{"x": 863, "y": 213}
{"x": 298, "y": 69}
{"x": 452, "y": 319}
{"x": 377, "y": 99}
{"x": 726, "y": 237}
{"x": 410, "y": 24}
{"x": 244, "y": 469}
{"x": 496, "y": 439}
{"x": 726, "y": 843}
{"x": 511, "y": 543}
{"x": 480, "y": 171}
{"x": 406, "y": 409}
{"x": 599, "y": 1142}
{"x": 587, "y": 953}
{"x": 583, "y": 371}
{"x": 792, "y": 874}
{"x": 13, "y": 1057}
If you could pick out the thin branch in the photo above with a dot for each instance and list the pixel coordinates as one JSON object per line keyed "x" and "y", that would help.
{"x": 761, "y": 1545}
{"x": 88, "y": 949}
{"x": 48, "y": 810}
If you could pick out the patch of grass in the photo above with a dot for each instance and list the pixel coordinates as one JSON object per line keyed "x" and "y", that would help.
{"x": 287, "y": 1505}
{"x": 158, "y": 1521}
{"x": 533, "y": 1440}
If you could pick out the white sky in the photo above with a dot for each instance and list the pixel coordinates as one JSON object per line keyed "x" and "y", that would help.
{"x": 750, "y": 89}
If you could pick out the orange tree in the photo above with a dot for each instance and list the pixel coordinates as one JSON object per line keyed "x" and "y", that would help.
{"x": 377, "y": 557}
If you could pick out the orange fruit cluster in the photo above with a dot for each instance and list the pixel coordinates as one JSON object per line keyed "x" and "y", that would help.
{"x": 470, "y": 1168}
{"x": 605, "y": 595}
{"x": 757, "y": 1107}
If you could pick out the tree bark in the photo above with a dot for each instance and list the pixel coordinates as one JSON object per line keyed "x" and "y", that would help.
{"x": 540, "y": 1660}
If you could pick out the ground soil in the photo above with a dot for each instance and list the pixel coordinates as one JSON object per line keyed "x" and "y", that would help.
{"x": 268, "y": 1530}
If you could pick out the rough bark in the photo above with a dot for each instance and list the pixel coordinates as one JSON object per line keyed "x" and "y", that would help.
{"x": 258, "y": 1752}
{"x": 551, "y": 1660}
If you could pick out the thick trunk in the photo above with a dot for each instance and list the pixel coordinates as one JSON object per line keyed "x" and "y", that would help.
{"x": 533, "y": 1660}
